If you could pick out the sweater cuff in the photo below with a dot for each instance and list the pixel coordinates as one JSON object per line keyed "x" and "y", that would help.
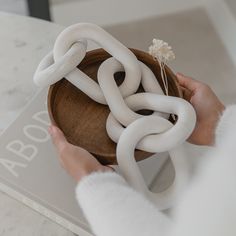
{"x": 89, "y": 184}
{"x": 226, "y": 128}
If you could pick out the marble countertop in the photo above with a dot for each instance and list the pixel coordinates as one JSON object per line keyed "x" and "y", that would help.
{"x": 23, "y": 42}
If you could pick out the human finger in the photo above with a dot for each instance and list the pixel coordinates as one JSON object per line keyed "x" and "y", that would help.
{"x": 58, "y": 137}
{"x": 187, "y": 82}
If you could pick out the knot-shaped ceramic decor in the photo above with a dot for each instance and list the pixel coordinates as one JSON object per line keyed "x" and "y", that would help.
{"x": 152, "y": 133}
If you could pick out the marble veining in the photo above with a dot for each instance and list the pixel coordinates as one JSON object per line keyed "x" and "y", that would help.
{"x": 26, "y": 41}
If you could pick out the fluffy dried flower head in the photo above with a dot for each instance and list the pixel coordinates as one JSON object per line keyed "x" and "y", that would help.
{"x": 161, "y": 51}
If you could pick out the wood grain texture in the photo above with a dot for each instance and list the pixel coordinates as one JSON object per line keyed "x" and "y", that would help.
{"x": 82, "y": 120}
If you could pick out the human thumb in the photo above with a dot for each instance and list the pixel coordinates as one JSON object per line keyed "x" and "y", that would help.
{"x": 58, "y": 137}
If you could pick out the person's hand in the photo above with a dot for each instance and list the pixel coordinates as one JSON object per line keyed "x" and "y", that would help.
{"x": 207, "y": 106}
{"x": 75, "y": 160}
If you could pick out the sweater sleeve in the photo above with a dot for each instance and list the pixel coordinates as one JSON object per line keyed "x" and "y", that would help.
{"x": 112, "y": 208}
{"x": 208, "y": 206}
{"x": 226, "y": 129}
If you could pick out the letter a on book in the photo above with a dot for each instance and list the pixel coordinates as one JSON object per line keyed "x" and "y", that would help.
{"x": 11, "y": 165}
{"x": 20, "y": 149}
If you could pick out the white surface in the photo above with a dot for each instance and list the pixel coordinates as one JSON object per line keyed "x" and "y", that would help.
{"x": 108, "y": 12}
{"x": 23, "y": 43}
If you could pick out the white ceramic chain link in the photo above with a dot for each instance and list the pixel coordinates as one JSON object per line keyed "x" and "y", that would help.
{"x": 153, "y": 133}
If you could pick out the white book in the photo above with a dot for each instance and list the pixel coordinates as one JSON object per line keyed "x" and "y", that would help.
{"x": 30, "y": 171}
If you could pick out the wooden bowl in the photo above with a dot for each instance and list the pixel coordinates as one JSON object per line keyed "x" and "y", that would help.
{"x": 82, "y": 120}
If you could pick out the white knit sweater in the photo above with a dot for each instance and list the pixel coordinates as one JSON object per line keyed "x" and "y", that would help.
{"x": 208, "y": 208}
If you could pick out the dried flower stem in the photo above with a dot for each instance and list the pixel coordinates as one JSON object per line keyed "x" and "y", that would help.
{"x": 162, "y": 53}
